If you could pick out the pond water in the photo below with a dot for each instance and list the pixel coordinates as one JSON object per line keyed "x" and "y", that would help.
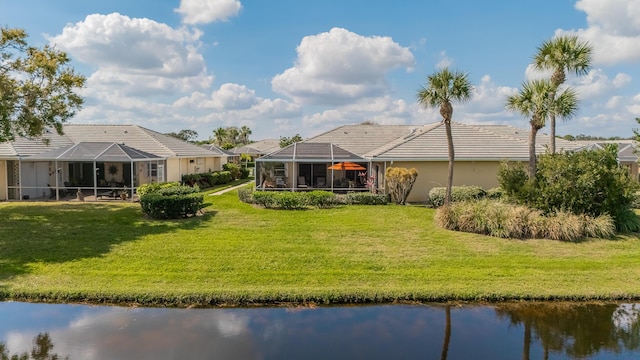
{"x": 499, "y": 331}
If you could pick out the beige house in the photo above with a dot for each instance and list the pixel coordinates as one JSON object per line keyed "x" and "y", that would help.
{"x": 479, "y": 150}
{"x": 95, "y": 158}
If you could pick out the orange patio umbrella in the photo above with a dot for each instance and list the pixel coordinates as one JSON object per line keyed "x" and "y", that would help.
{"x": 346, "y": 166}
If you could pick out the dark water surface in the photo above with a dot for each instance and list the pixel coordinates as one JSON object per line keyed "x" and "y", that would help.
{"x": 502, "y": 331}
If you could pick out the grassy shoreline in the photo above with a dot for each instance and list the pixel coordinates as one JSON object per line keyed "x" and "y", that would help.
{"x": 239, "y": 255}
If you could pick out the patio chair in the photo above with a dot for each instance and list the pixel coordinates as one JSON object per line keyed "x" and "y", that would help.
{"x": 321, "y": 182}
{"x": 302, "y": 183}
{"x": 280, "y": 182}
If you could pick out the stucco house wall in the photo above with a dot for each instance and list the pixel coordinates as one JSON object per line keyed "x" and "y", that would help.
{"x": 434, "y": 174}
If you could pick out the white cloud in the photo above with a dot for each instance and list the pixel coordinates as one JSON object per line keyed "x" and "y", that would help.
{"x": 339, "y": 66}
{"x": 135, "y": 56}
{"x": 614, "y": 30}
{"x": 232, "y": 97}
{"x": 207, "y": 11}
{"x": 487, "y": 97}
{"x": 531, "y": 73}
{"x": 444, "y": 61}
{"x": 597, "y": 84}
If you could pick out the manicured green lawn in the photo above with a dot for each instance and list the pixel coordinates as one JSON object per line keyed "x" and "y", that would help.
{"x": 238, "y": 254}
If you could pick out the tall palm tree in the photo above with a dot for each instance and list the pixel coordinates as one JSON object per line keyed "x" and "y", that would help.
{"x": 560, "y": 55}
{"x": 245, "y": 131}
{"x": 443, "y": 87}
{"x": 220, "y": 134}
{"x": 534, "y": 102}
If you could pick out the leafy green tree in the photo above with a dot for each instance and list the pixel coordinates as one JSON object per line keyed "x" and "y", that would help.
{"x": 560, "y": 55}
{"x": 185, "y": 135}
{"x": 443, "y": 87}
{"x": 220, "y": 135}
{"x": 535, "y": 102}
{"x": 36, "y": 87}
{"x": 286, "y": 141}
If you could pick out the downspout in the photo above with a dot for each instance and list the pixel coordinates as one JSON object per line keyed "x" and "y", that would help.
{"x": 132, "y": 182}
{"x": 95, "y": 180}
{"x": 20, "y": 177}
{"x": 295, "y": 179}
{"x": 332, "y": 163}
{"x": 57, "y": 174}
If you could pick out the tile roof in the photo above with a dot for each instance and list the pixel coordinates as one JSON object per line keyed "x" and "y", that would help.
{"x": 31, "y": 146}
{"x": 261, "y": 147}
{"x": 361, "y": 139}
{"x": 471, "y": 142}
{"x": 136, "y": 137}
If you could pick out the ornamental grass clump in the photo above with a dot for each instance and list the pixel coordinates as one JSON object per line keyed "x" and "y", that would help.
{"x": 499, "y": 219}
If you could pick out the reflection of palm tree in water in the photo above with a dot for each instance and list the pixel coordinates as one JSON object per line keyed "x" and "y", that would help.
{"x": 42, "y": 350}
{"x": 577, "y": 330}
{"x": 447, "y": 333}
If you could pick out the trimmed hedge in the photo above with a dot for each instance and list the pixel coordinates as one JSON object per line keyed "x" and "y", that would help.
{"x": 301, "y": 200}
{"x": 159, "y": 206}
{"x": 458, "y": 193}
{"x": 154, "y": 187}
{"x": 171, "y": 201}
{"x": 206, "y": 180}
{"x": 365, "y": 198}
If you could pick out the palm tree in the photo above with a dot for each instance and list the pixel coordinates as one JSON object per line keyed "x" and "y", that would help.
{"x": 443, "y": 87}
{"x": 245, "y": 131}
{"x": 534, "y": 102}
{"x": 560, "y": 55}
{"x": 220, "y": 134}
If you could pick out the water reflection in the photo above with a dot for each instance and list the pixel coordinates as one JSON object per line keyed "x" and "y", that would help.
{"x": 505, "y": 331}
{"x": 578, "y": 331}
{"x": 42, "y": 350}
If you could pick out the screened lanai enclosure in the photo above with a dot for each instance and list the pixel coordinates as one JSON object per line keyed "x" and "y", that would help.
{"x": 99, "y": 169}
{"x": 306, "y": 166}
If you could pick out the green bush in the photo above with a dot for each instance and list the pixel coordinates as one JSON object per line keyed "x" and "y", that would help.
{"x": 159, "y": 206}
{"x": 587, "y": 182}
{"x": 154, "y": 187}
{"x": 321, "y": 199}
{"x": 366, "y": 198}
{"x": 499, "y": 219}
{"x": 458, "y": 193}
{"x": 264, "y": 198}
{"x": 280, "y": 199}
{"x": 224, "y": 177}
{"x": 178, "y": 190}
{"x": 246, "y": 195}
{"x": 494, "y": 193}
{"x": 290, "y": 200}
{"x": 233, "y": 169}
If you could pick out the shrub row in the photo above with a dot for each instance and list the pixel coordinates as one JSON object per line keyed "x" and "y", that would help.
{"x": 301, "y": 200}
{"x": 172, "y": 202}
{"x": 499, "y": 219}
{"x": 206, "y": 180}
{"x": 458, "y": 193}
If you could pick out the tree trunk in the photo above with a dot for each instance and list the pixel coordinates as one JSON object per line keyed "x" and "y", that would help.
{"x": 527, "y": 340}
{"x": 532, "y": 151}
{"x": 552, "y": 134}
{"x": 447, "y": 125}
{"x": 447, "y": 333}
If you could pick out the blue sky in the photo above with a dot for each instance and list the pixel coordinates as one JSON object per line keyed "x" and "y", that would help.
{"x": 288, "y": 66}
